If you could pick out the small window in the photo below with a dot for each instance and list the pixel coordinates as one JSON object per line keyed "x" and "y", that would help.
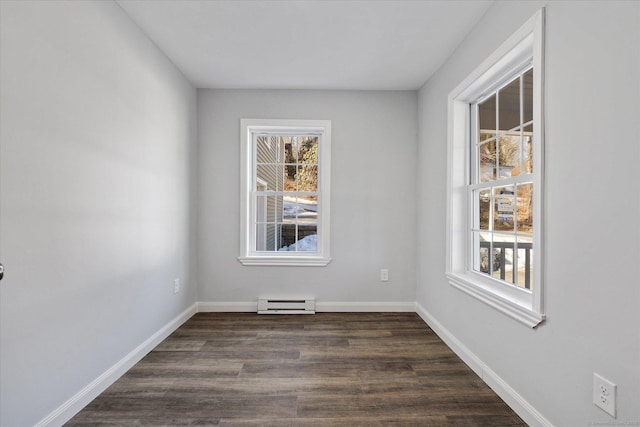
{"x": 285, "y": 180}
{"x": 495, "y": 179}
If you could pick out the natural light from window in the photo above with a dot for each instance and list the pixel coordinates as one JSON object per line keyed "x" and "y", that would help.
{"x": 285, "y": 175}
{"x": 495, "y": 187}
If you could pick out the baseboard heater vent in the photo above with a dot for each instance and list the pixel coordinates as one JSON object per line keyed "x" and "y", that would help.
{"x": 286, "y": 306}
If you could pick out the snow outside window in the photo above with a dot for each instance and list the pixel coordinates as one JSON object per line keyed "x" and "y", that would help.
{"x": 285, "y": 180}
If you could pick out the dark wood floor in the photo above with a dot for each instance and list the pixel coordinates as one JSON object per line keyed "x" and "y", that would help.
{"x": 328, "y": 369}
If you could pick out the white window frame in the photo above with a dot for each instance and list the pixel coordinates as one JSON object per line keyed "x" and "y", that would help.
{"x": 248, "y": 255}
{"x": 525, "y": 306}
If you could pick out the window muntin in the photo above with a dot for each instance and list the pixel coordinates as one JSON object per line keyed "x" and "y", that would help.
{"x": 286, "y": 182}
{"x": 501, "y": 187}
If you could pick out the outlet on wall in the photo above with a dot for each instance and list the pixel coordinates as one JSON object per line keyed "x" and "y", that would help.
{"x": 384, "y": 275}
{"x": 176, "y": 286}
{"x": 604, "y": 394}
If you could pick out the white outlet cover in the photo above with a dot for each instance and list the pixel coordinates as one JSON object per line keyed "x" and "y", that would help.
{"x": 604, "y": 394}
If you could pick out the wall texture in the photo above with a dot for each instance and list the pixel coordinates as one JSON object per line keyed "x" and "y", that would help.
{"x": 592, "y": 210}
{"x": 97, "y": 174}
{"x": 374, "y": 146}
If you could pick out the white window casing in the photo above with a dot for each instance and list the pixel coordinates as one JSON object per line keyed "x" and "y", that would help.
{"x": 249, "y": 234}
{"x": 525, "y": 46}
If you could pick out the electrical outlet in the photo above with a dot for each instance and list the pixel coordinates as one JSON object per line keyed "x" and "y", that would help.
{"x": 176, "y": 286}
{"x": 604, "y": 394}
{"x": 384, "y": 275}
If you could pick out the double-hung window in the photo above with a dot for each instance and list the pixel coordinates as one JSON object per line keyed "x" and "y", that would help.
{"x": 495, "y": 188}
{"x": 501, "y": 186}
{"x": 285, "y": 201}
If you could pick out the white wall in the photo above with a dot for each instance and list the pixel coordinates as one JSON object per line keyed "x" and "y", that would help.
{"x": 97, "y": 168}
{"x": 374, "y": 146}
{"x": 592, "y": 212}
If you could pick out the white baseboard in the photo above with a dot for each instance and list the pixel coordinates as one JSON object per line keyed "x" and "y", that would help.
{"x": 365, "y": 307}
{"x": 516, "y": 402}
{"x": 362, "y": 307}
{"x": 81, "y": 399}
{"x": 228, "y": 307}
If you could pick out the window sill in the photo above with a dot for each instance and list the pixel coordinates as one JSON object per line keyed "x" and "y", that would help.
{"x": 282, "y": 261}
{"x": 510, "y": 301}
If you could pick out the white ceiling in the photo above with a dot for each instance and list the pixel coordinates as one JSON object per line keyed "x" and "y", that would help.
{"x": 307, "y": 44}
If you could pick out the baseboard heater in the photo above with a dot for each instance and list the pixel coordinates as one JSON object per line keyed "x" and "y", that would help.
{"x": 286, "y": 306}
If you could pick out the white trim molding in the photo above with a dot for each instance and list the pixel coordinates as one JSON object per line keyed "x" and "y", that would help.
{"x": 321, "y": 306}
{"x": 284, "y": 261}
{"x": 366, "y": 307}
{"x": 227, "y": 307}
{"x": 526, "y": 306}
{"x": 82, "y": 398}
{"x": 519, "y": 404}
{"x": 506, "y": 302}
{"x": 250, "y": 129}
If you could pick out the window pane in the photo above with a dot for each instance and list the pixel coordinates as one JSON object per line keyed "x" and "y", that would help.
{"x": 525, "y": 208}
{"x": 487, "y": 157}
{"x": 484, "y": 257}
{"x": 290, "y": 150}
{"x": 280, "y": 177}
{"x": 503, "y": 261}
{"x": 290, "y": 177}
{"x": 509, "y": 159}
{"x": 288, "y": 235}
{"x": 488, "y": 261}
{"x": 509, "y": 105}
{"x": 261, "y": 237}
{"x": 261, "y": 208}
{"x": 487, "y": 114}
{"x": 307, "y": 238}
{"x": 281, "y": 230}
{"x": 299, "y": 210}
{"x": 266, "y": 237}
{"x": 299, "y": 238}
{"x": 527, "y": 85}
{"x": 308, "y": 211}
{"x": 484, "y": 206}
{"x": 527, "y": 146}
{"x": 274, "y": 209}
{"x": 291, "y": 209}
{"x": 503, "y": 257}
{"x": 485, "y": 135}
{"x": 525, "y": 262}
{"x": 308, "y": 150}
{"x": 265, "y": 177}
{"x": 504, "y": 204}
{"x": 482, "y": 246}
{"x": 266, "y": 149}
{"x": 308, "y": 178}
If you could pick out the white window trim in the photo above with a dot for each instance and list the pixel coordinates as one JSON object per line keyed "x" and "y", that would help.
{"x": 250, "y": 257}
{"x": 525, "y": 306}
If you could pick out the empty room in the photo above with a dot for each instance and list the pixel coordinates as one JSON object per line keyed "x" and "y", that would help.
{"x": 319, "y": 213}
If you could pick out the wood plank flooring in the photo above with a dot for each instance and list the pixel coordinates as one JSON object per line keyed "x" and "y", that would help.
{"x": 328, "y": 369}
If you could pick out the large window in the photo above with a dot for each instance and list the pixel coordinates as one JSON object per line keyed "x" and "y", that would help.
{"x": 285, "y": 179}
{"x": 501, "y": 187}
{"x": 495, "y": 247}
